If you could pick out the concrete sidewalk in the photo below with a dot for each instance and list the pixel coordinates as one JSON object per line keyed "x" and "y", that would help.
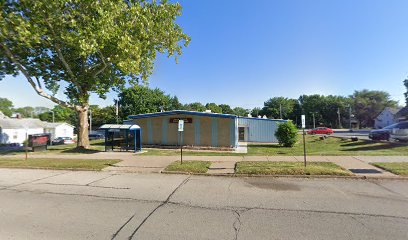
{"x": 131, "y": 162}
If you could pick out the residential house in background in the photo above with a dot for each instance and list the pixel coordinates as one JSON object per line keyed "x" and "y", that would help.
{"x": 15, "y": 130}
{"x": 402, "y": 114}
{"x": 386, "y": 117}
{"x": 59, "y": 130}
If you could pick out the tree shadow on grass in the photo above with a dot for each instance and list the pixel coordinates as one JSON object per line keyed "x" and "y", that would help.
{"x": 369, "y": 147}
{"x": 265, "y": 146}
{"x": 81, "y": 150}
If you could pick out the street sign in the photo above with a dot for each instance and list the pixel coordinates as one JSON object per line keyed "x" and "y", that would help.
{"x": 181, "y": 125}
{"x": 303, "y": 121}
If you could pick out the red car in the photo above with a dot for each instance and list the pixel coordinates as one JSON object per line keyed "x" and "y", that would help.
{"x": 320, "y": 130}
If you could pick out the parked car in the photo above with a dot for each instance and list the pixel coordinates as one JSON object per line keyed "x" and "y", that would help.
{"x": 96, "y": 136}
{"x": 400, "y": 131}
{"x": 320, "y": 130}
{"x": 382, "y": 134}
{"x": 62, "y": 140}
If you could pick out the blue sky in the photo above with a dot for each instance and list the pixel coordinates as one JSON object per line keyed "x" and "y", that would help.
{"x": 243, "y": 53}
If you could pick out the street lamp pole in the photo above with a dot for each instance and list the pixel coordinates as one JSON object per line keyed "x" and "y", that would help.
{"x": 53, "y": 116}
{"x": 350, "y": 118}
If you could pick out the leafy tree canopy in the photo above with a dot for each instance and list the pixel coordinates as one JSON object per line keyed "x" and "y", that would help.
{"x": 368, "y": 104}
{"x": 213, "y": 107}
{"x": 141, "y": 99}
{"x": 239, "y": 111}
{"x": 274, "y": 106}
{"x": 6, "y": 106}
{"x": 226, "y": 109}
{"x": 90, "y": 46}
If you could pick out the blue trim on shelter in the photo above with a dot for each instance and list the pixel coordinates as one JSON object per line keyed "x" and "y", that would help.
{"x": 214, "y": 132}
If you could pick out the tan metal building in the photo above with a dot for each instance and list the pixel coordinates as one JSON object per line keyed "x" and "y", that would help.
{"x": 203, "y": 129}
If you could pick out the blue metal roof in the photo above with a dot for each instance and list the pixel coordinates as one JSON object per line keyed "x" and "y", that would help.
{"x": 206, "y": 114}
{"x": 264, "y": 119}
{"x": 176, "y": 112}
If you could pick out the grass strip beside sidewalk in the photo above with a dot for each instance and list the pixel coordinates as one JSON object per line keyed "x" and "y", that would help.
{"x": 290, "y": 168}
{"x": 59, "y": 164}
{"x": 399, "y": 168}
{"x": 189, "y": 166}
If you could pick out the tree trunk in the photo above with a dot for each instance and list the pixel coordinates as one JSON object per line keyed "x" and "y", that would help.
{"x": 83, "y": 138}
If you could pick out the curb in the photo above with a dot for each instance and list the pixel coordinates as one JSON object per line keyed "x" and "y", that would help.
{"x": 55, "y": 169}
{"x": 287, "y": 176}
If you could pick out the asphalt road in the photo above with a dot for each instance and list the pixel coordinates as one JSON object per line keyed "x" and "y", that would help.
{"x": 39, "y": 204}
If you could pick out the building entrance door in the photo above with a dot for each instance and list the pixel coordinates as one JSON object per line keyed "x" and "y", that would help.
{"x": 241, "y": 133}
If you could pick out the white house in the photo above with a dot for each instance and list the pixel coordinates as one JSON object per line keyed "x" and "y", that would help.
{"x": 386, "y": 117}
{"x": 59, "y": 130}
{"x": 15, "y": 130}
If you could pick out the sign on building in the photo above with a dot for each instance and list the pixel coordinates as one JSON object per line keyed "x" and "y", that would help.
{"x": 181, "y": 125}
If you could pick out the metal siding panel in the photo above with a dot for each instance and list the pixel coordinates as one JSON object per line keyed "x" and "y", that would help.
{"x": 232, "y": 132}
{"x": 197, "y": 131}
{"x": 165, "y": 126}
{"x": 214, "y": 132}
{"x": 260, "y": 130}
{"x": 149, "y": 131}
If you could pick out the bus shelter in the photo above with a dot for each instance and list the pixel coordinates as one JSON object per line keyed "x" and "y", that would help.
{"x": 122, "y": 137}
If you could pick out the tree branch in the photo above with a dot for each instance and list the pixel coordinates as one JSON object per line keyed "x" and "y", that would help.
{"x": 104, "y": 65}
{"x": 38, "y": 89}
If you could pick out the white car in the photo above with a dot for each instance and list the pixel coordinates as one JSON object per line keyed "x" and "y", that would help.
{"x": 400, "y": 131}
{"x": 63, "y": 140}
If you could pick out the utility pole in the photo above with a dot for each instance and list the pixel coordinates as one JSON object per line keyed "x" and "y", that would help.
{"x": 280, "y": 111}
{"x": 117, "y": 111}
{"x": 314, "y": 122}
{"x": 350, "y": 118}
{"x": 338, "y": 114}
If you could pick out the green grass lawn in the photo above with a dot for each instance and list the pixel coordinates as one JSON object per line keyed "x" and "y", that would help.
{"x": 290, "y": 168}
{"x": 60, "y": 163}
{"x": 399, "y": 168}
{"x": 331, "y": 147}
{"x": 189, "y": 166}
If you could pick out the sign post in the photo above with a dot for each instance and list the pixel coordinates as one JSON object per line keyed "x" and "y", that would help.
{"x": 304, "y": 140}
{"x": 181, "y": 130}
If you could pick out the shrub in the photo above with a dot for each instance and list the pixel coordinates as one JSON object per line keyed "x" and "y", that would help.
{"x": 287, "y": 134}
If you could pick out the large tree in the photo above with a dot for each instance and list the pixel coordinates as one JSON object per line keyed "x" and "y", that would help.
{"x": 213, "y": 107}
{"x": 86, "y": 46}
{"x": 6, "y": 106}
{"x": 368, "y": 104}
{"x": 141, "y": 99}
{"x": 279, "y": 107}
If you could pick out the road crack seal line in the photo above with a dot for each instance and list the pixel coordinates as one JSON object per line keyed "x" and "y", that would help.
{"x": 237, "y": 224}
{"x": 33, "y": 181}
{"x": 101, "y": 179}
{"x": 159, "y": 206}
{"x": 79, "y": 185}
{"x": 387, "y": 189}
